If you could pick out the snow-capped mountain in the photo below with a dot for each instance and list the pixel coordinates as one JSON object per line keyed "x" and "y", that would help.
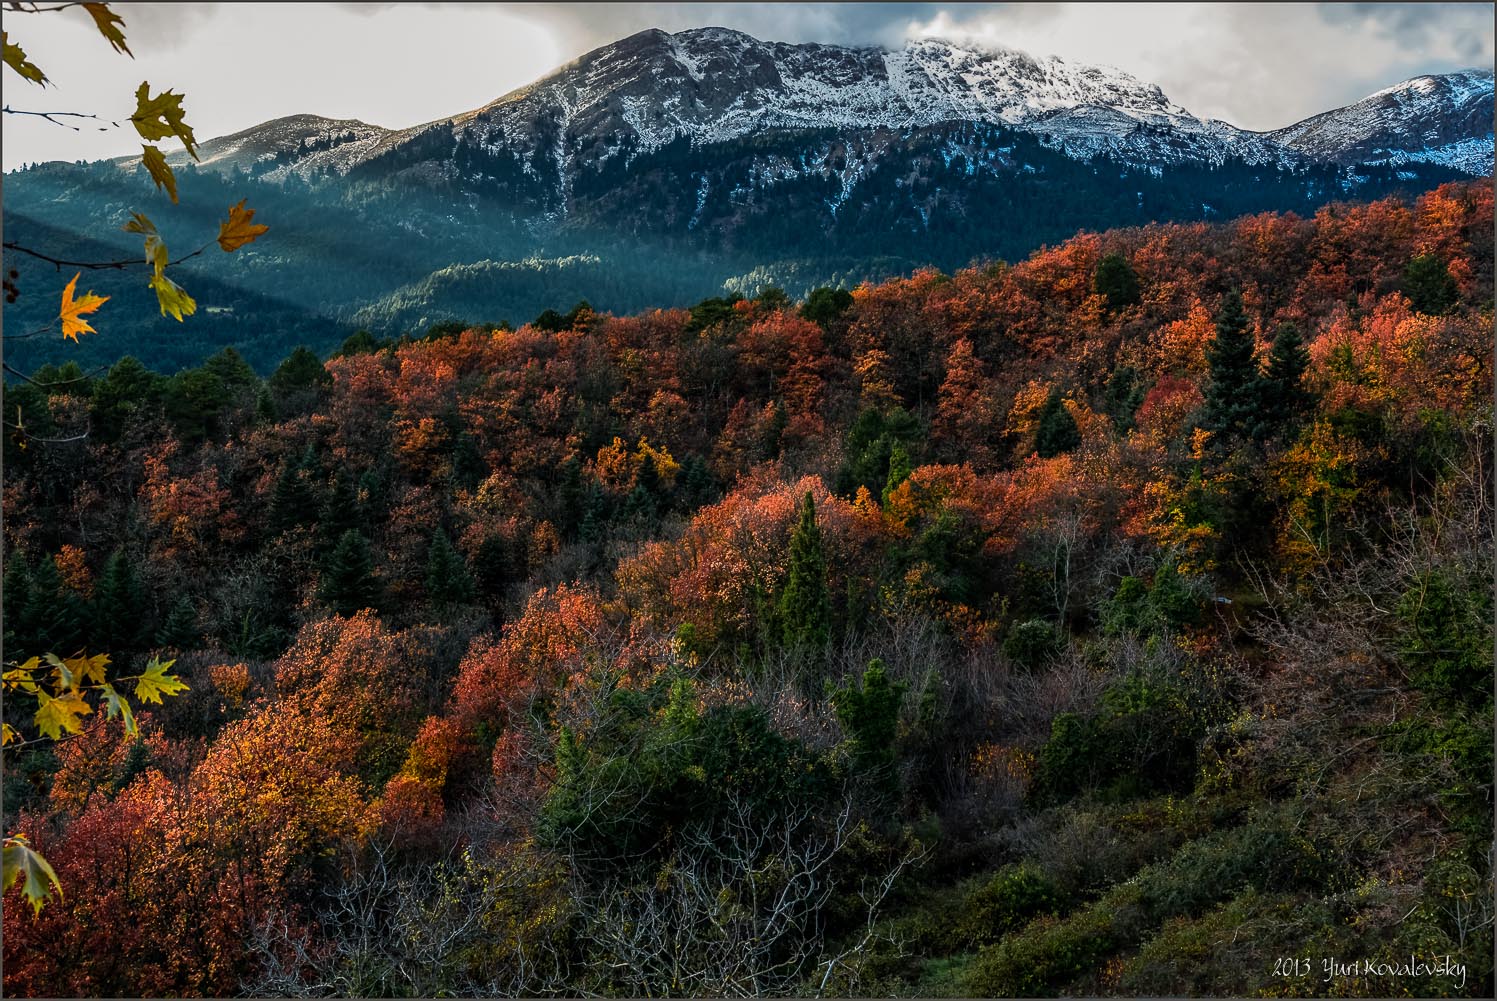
{"x": 715, "y": 85}
{"x": 1444, "y": 119}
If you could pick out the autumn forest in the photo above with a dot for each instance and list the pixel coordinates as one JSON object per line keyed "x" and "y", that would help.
{"x": 1117, "y": 621}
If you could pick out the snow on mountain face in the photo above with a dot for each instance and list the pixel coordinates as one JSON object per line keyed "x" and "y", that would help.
{"x": 1444, "y": 119}
{"x": 714, "y": 84}
{"x": 281, "y": 140}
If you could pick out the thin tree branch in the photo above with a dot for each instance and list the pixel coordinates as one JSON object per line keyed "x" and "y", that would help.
{"x": 49, "y": 385}
{"x": 32, "y": 8}
{"x": 53, "y": 116}
{"x": 100, "y": 265}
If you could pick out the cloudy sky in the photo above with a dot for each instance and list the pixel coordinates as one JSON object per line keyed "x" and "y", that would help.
{"x": 1258, "y": 66}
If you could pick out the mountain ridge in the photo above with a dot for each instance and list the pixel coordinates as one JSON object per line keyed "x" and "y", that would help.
{"x": 716, "y": 84}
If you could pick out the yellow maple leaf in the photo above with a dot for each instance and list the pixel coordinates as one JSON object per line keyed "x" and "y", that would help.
{"x": 115, "y": 705}
{"x": 60, "y": 714}
{"x": 72, "y": 309}
{"x": 15, "y": 58}
{"x": 105, "y": 20}
{"x": 161, "y": 116}
{"x": 21, "y": 864}
{"x": 171, "y": 296}
{"x": 88, "y": 668}
{"x": 160, "y": 171}
{"x": 154, "y": 682}
{"x": 240, "y": 229}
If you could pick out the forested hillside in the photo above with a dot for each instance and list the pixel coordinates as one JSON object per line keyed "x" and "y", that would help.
{"x": 1118, "y": 621}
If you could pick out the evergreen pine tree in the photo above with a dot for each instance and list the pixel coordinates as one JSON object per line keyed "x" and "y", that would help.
{"x": 119, "y": 606}
{"x": 373, "y": 497}
{"x": 265, "y": 411}
{"x": 1123, "y": 396}
{"x": 648, "y": 477}
{"x": 570, "y": 497}
{"x": 302, "y": 370}
{"x": 805, "y": 609}
{"x": 1232, "y": 396}
{"x": 773, "y": 429}
{"x": 870, "y": 717}
{"x": 468, "y": 467}
{"x": 594, "y": 516}
{"x": 899, "y": 469}
{"x": 292, "y": 504}
{"x": 16, "y": 599}
{"x": 1057, "y": 431}
{"x": 340, "y": 512}
{"x": 348, "y": 583}
{"x": 640, "y": 510}
{"x": 1283, "y": 395}
{"x": 695, "y": 486}
{"x": 1115, "y": 280}
{"x": 54, "y": 613}
{"x": 180, "y": 630}
{"x": 1429, "y": 286}
{"x": 447, "y": 579}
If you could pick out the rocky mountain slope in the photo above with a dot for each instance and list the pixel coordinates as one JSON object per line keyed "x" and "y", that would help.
{"x": 1435, "y": 119}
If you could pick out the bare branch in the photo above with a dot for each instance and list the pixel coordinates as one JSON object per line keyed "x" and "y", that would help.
{"x": 53, "y": 116}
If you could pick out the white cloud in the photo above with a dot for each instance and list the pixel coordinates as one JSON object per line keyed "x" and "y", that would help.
{"x": 242, "y": 64}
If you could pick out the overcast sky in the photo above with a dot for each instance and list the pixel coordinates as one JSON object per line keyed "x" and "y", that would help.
{"x": 1258, "y": 66}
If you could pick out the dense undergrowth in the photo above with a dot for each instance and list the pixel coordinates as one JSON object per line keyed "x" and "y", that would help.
{"x": 1118, "y": 622}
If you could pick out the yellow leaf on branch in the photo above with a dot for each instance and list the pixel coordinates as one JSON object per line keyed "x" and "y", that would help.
{"x": 107, "y": 21}
{"x": 154, "y": 682}
{"x": 16, "y": 59}
{"x": 23, "y": 864}
{"x": 72, "y": 309}
{"x": 60, "y": 715}
{"x": 240, "y": 229}
{"x": 170, "y": 295}
{"x": 160, "y": 171}
{"x": 161, "y": 116}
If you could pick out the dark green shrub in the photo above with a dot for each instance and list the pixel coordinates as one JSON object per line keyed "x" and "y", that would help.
{"x": 1032, "y": 643}
{"x": 1006, "y": 902}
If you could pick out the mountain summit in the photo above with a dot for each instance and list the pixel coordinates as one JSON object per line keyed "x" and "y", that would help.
{"x": 714, "y": 85}
{"x": 1437, "y": 119}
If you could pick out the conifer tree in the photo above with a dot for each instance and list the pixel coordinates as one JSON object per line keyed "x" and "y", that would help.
{"x": 265, "y": 409}
{"x": 870, "y": 717}
{"x": 899, "y": 469}
{"x": 180, "y": 630}
{"x": 1283, "y": 395}
{"x": 54, "y": 613}
{"x": 648, "y": 477}
{"x": 805, "y": 610}
{"x": 1115, "y": 280}
{"x": 373, "y": 497}
{"x": 695, "y": 486}
{"x": 340, "y": 512}
{"x": 17, "y": 597}
{"x": 1057, "y": 431}
{"x": 594, "y": 516}
{"x": 447, "y": 580}
{"x": 292, "y": 504}
{"x": 570, "y": 497}
{"x": 1232, "y": 395}
{"x": 1429, "y": 286}
{"x": 348, "y": 583}
{"x": 119, "y": 605}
